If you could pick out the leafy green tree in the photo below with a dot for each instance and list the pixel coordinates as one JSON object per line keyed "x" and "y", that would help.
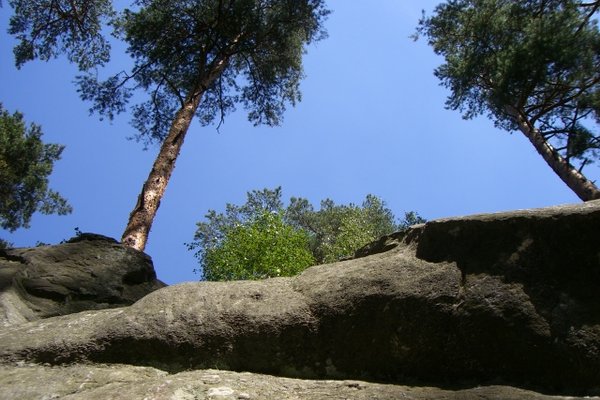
{"x": 48, "y": 28}
{"x": 223, "y": 241}
{"x": 25, "y": 165}
{"x": 531, "y": 65}
{"x": 337, "y": 231}
{"x": 212, "y": 233}
{"x": 202, "y": 58}
{"x": 265, "y": 247}
{"x": 209, "y": 234}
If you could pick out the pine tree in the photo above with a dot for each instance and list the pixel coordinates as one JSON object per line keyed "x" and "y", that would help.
{"x": 532, "y": 66}
{"x": 25, "y": 165}
{"x": 201, "y": 58}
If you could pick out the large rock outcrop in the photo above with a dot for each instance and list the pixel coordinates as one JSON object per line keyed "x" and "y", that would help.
{"x": 85, "y": 273}
{"x": 125, "y": 382}
{"x": 506, "y": 298}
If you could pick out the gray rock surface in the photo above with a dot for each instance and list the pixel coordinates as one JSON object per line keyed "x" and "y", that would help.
{"x": 87, "y": 272}
{"x": 508, "y": 298}
{"x": 122, "y": 382}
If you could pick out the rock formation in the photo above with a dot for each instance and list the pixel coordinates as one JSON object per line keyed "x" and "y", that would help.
{"x": 87, "y": 272}
{"x": 126, "y": 382}
{"x": 509, "y": 298}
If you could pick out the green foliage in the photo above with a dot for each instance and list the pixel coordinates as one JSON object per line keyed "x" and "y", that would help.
{"x": 262, "y": 234}
{"x": 48, "y": 28}
{"x": 411, "y": 218}
{"x": 337, "y": 231}
{"x": 243, "y": 52}
{"x": 5, "y": 245}
{"x": 25, "y": 164}
{"x": 262, "y": 248}
{"x": 216, "y": 238}
{"x": 538, "y": 57}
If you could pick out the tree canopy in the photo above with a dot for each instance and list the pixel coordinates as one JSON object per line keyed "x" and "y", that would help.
{"x": 264, "y": 247}
{"x": 264, "y": 235}
{"x": 337, "y": 231}
{"x": 25, "y": 165}
{"x": 529, "y": 65}
{"x": 243, "y": 52}
{"x": 47, "y": 28}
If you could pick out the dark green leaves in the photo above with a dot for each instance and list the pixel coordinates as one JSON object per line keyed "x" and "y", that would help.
{"x": 110, "y": 96}
{"x": 48, "y": 28}
{"x": 25, "y": 164}
{"x": 541, "y": 58}
{"x": 242, "y": 52}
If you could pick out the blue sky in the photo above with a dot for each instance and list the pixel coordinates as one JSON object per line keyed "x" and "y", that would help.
{"x": 372, "y": 120}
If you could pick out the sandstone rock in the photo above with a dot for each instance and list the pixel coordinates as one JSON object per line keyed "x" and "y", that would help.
{"x": 122, "y": 382}
{"x": 88, "y": 272}
{"x": 507, "y": 298}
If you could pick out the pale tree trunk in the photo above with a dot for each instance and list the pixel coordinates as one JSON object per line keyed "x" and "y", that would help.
{"x": 141, "y": 218}
{"x": 575, "y": 180}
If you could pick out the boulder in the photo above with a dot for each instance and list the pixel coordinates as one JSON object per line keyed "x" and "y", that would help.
{"x": 509, "y": 298}
{"x": 87, "y": 272}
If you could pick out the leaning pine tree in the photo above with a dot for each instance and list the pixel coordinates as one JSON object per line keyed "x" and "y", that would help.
{"x": 531, "y": 65}
{"x": 202, "y": 58}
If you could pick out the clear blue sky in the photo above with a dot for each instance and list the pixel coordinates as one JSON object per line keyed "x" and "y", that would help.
{"x": 372, "y": 120}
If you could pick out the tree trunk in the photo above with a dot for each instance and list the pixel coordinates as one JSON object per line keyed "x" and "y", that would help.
{"x": 575, "y": 180}
{"x": 142, "y": 216}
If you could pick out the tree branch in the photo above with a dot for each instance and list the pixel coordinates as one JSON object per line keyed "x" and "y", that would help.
{"x": 594, "y": 8}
